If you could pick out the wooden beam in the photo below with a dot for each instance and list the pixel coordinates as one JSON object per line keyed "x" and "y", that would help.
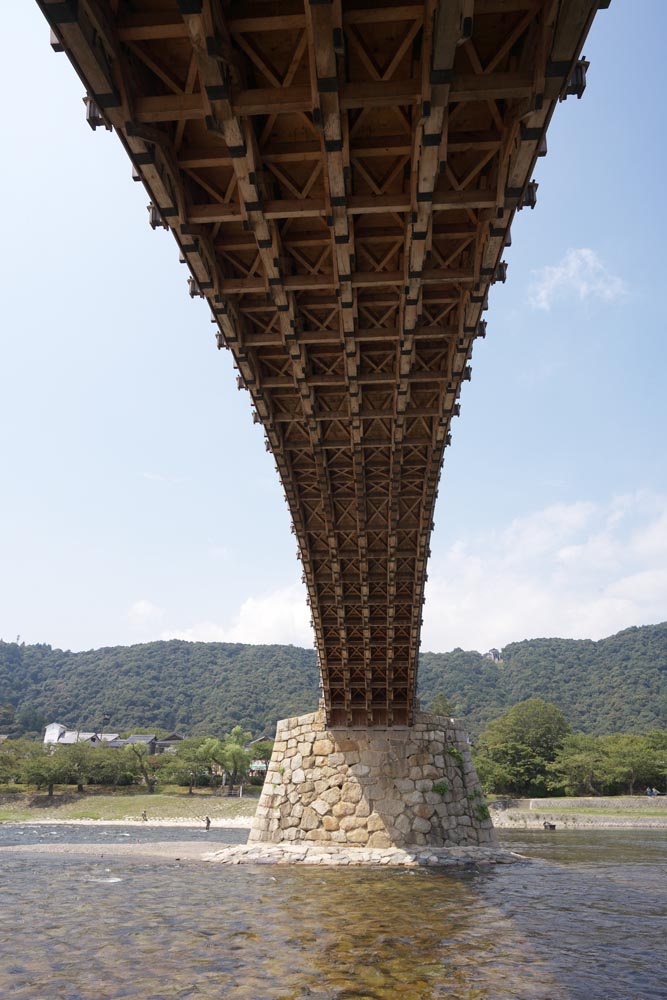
{"x": 359, "y": 95}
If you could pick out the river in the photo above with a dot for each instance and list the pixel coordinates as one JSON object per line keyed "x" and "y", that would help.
{"x": 586, "y": 919}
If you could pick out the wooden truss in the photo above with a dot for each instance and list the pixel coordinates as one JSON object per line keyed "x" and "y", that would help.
{"x": 340, "y": 176}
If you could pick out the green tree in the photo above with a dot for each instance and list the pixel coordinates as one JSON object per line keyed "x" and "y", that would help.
{"x": 630, "y": 761}
{"x": 441, "y": 705}
{"x": 514, "y": 751}
{"x": 13, "y": 755}
{"x": 30, "y": 721}
{"x": 581, "y": 766}
{"x": 45, "y": 769}
{"x": 656, "y": 746}
{"x": 620, "y": 762}
{"x": 187, "y": 762}
{"x": 237, "y": 758}
{"x": 110, "y": 767}
{"x": 229, "y": 754}
{"x": 78, "y": 763}
{"x": 140, "y": 761}
{"x": 7, "y": 717}
{"x": 262, "y": 751}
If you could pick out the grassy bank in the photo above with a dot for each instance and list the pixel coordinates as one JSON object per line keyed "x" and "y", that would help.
{"x": 168, "y": 804}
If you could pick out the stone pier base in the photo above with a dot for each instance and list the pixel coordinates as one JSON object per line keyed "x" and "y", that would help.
{"x": 372, "y": 788}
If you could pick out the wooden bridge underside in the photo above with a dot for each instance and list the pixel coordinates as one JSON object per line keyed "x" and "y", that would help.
{"x": 341, "y": 178}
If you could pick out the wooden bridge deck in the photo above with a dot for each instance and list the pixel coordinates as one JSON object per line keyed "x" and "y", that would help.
{"x": 341, "y": 178}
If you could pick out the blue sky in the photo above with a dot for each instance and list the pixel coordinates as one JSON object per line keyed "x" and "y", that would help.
{"x": 137, "y": 500}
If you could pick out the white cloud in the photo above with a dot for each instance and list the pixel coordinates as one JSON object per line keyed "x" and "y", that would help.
{"x": 581, "y": 274}
{"x": 579, "y": 570}
{"x": 279, "y": 617}
{"x": 144, "y": 612}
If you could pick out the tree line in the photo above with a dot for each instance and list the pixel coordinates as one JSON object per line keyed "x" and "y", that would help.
{"x": 529, "y": 750}
{"x": 532, "y": 750}
{"x": 204, "y": 760}
{"x": 618, "y": 684}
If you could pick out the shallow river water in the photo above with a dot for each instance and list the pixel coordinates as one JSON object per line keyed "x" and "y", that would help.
{"x": 586, "y": 920}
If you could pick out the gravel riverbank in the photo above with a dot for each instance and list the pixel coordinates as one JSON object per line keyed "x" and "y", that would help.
{"x": 222, "y": 823}
{"x": 280, "y": 854}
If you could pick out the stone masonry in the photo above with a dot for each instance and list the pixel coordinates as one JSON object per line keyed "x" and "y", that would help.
{"x": 373, "y": 788}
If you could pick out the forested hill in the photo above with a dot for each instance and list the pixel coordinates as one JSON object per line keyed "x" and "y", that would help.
{"x": 616, "y": 684}
{"x": 196, "y": 688}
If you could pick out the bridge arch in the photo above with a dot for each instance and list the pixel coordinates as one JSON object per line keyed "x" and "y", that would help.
{"x": 341, "y": 179}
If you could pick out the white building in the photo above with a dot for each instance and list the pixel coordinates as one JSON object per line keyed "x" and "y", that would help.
{"x": 60, "y": 735}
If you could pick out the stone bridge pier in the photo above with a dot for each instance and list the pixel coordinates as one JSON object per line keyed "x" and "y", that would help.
{"x": 400, "y": 787}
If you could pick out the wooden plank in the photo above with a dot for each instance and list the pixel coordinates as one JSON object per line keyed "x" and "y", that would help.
{"x": 168, "y": 107}
{"x": 276, "y": 22}
{"x": 491, "y": 87}
{"x": 376, "y": 14}
{"x": 273, "y": 100}
{"x": 379, "y": 94}
{"x": 148, "y": 27}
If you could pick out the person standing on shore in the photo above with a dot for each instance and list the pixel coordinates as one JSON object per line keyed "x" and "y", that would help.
{"x": 208, "y": 822}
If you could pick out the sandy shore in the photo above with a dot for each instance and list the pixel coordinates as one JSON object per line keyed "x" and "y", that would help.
{"x": 276, "y": 854}
{"x": 186, "y": 850}
{"x": 224, "y": 823}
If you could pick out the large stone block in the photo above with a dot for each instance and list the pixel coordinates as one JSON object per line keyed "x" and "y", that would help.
{"x": 359, "y": 836}
{"x": 424, "y": 810}
{"x": 344, "y": 808}
{"x": 351, "y": 791}
{"x": 317, "y": 835}
{"x": 379, "y": 839}
{"x": 352, "y": 822}
{"x": 374, "y": 823}
{"x": 402, "y": 824}
{"x": 309, "y": 820}
{"x": 420, "y": 825}
{"x": 363, "y": 809}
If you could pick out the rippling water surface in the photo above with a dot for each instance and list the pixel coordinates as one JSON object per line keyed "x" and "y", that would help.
{"x": 587, "y": 920}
